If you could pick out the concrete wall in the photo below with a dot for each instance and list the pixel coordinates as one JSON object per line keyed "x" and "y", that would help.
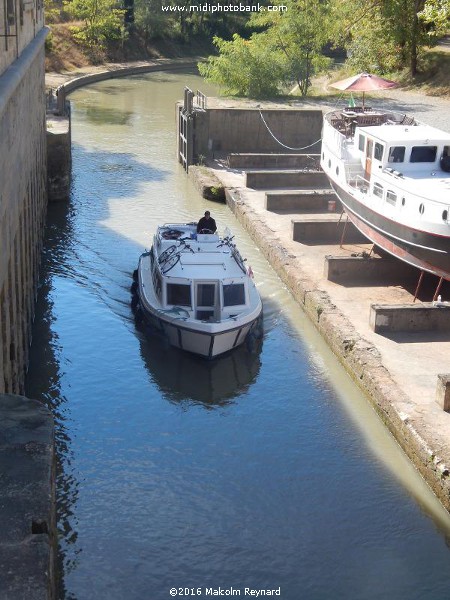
{"x": 385, "y": 319}
{"x": 223, "y": 130}
{"x": 22, "y": 206}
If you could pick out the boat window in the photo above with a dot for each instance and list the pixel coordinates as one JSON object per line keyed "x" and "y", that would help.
{"x": 423, "y": 154}
{"x": 179, "y": 294}
{"x": 396, "y": 154}
{"x": 205, "y": 294}
{"x": 445, "y": 159}
{"x": 378, "y": 190}
{"x": 361, "y": 142}
{"x": 157, "y": 283}
{"x": 378, "y": 151}
{"x": 233, "y": 294}
{"x": 391, "y": 197}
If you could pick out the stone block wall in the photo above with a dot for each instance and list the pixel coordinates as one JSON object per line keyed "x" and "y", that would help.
{"x": 23, "y": 203}
{"x": 20, "y": 21}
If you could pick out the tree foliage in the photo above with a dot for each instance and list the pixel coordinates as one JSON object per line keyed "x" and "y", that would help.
{"x": 244, "y": 67}
{"x": 436, "y": 15}
{"x": 103, "y": 21}
{"x": 286, "y": 49}
{"x": 386, "y": 35}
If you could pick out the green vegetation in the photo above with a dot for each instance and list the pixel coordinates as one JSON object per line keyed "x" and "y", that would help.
{"x": 102, "y": 22}
{"x": 288, "y": 50}
{"x": 379, "y": 36}
{"x": 280, "y": 49}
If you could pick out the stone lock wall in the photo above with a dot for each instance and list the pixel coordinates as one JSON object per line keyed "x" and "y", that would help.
{"x": 224, "y": 130}
{"x": 23, "y": 205}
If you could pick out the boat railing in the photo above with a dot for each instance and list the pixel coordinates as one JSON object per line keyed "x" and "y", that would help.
{"x": 344, "y": 121}
{"x": 335, "y": 139}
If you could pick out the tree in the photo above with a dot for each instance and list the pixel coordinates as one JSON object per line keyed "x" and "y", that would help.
{"x": 436, "y": 16}
{"x": 244, "y": 67}
{"x": 150, "y": 20}
{"x": 297, "y": 30}
{"x": 285, "y": 50}
{"x": 384, "y": 35}
{"x": 102, "y": 21}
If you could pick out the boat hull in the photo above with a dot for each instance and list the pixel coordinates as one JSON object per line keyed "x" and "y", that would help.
{"x": 421, "y": 249}
{"x": 209, "y": 344}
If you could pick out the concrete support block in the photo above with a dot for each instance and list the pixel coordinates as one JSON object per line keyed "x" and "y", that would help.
{"x": 260, "y": 180}
{"x": 355, "y": 270}
{"x": 303, "y": 200}
{"x": 325, "y": 231}
{"x": 29, "y": 539}
{"x": 443, "y": 391}
{"x": 273, "y": 161}
{"x": 409, "y": 318}
{"x": 59, "y": 157}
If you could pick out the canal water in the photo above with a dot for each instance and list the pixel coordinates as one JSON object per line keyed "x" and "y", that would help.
{"x": 265, "y": 470}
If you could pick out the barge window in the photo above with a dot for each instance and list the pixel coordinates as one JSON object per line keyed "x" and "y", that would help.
{"x": 179, "y": 294}
{"x": 233, "y": 294}
{"x": 378, "y": 190}
{"x": 423, "y": 154}
{"x": 10, "y": 13}
{"x": 378, "y": 151}
{"x": 396, "y": 154}
{"x": 391, "y": 197}
{"x": 361, "y": 142}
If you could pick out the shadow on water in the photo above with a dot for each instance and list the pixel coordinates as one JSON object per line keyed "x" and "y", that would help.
{"x": 46, "y": 371}
{"x": 186, "y": 379}
{"x": 108, "y": 175}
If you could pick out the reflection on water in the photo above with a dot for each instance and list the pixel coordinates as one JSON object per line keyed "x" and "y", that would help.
{"x": 97, "y": 115}
{"x": 188, "y": 379}
{"x": 264, "y": 469}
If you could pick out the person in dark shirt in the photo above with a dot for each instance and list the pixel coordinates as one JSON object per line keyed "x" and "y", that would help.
{"x": 206, "y": 224}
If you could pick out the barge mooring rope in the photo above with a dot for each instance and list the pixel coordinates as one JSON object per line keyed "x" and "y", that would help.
{"x": 281, "y": 143}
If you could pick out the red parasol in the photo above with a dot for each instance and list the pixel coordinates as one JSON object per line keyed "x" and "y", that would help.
{"x": 364, "y": 82}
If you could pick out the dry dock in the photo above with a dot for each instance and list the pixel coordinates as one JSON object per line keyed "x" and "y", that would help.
{"x": 400, "y": 366}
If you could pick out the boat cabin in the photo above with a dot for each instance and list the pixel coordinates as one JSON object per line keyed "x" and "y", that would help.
{"x": 198, "y": 276}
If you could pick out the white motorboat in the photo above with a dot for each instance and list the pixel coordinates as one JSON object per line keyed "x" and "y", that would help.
{"x": 195, "y": 288}
{"x": 392, "y": 175}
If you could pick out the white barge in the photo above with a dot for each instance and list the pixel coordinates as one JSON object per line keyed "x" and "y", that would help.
{"x": 392, "y": 175}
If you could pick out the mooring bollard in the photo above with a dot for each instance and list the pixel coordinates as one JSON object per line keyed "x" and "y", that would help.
{"x": 443, "y": 391}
